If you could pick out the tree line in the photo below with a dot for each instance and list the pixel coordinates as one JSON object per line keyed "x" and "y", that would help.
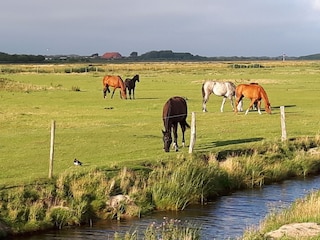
{"x": 20, "y": 58}
{"x": 164, "y": 55}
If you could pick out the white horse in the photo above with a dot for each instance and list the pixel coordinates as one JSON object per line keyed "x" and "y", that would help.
{"x": 223, "y": 89}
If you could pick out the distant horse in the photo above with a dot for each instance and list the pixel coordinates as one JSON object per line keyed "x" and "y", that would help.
{"x": 255, "y": 93}
{"x": 131, "y": 84}
{"x": 174, "y": 112}
{"x": 115, "y": 82}
{"x": 223, "y": 89}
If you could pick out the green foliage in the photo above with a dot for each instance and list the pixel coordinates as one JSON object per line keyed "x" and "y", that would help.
{"x": 179, "y": 183}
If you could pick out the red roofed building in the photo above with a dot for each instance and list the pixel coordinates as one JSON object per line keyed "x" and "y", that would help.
{"x": 111, "y": 55}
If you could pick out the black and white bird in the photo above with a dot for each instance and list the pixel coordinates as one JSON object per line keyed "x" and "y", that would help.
{"x": 77, "y": 162}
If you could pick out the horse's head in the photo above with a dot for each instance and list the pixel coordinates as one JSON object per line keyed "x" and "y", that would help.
{"x": 137, "y": 77}
{"x": 124, "y": 93}
{"x": 268, "y": 108}
{"x": 167, "y": 140}
{"x": 123, "y": 90}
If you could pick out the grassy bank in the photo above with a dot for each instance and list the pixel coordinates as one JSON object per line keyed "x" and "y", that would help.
{"x": 81, "y": 196}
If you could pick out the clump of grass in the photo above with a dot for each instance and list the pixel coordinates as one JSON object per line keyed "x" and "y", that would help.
{"x": 177, "y": 184}
{"x": 75, "y": 88}
{"x": 172, "y": 229}
{"x": 13, "y": 86}
{"x": 168, "y": 229}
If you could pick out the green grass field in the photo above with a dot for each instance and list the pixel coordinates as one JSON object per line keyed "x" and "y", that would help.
{"x": 114, "y": 132}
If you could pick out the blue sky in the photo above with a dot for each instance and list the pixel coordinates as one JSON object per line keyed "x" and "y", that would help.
{"x": 201, "y": 27}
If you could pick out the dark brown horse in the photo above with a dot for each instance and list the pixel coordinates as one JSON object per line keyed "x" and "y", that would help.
{"x": 131, "y": 84}
{"x": 174, "y": 112}
{"x": 254, "y": 92}
{"x": 115, "y": 82}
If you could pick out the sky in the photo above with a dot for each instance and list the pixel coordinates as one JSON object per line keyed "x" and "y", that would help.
{"x": 210, "y": 28}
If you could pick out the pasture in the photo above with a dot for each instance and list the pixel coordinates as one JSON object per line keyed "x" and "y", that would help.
{"x": 108, "y": 133}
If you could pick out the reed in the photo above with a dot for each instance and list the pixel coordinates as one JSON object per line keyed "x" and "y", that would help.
{"x": 168, "y": 229}
{"x": 178, "y": 183}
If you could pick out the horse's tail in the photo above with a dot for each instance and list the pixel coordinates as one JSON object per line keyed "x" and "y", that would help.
{"x": 202, "y": 89}
{"x": 233, "y": 88}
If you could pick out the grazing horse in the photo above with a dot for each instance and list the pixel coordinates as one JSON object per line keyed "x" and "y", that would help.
{"x": 255, "y": 93}
{"x": 131, "y": 84}
{"x": 115, "y": 82}
{"x": 174, "y": 112}
{"x": 224, "y": 89}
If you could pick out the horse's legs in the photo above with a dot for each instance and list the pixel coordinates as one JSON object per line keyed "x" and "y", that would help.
{"x": 251, "y": 104}
{"x": 133, "y": 93}
{"x": 232, "y": 103}
{"x": 205, "y": 100}
{"x": 238, "y": 100}
{"x": 240, "y": 106}
{"x": 259, "y": 106}
{"x": 175, "y": 137}
{"x": 113, "y": 93}
{"x": 222, "y": 104}
{"x": 183, "y": 129}
{"x": 130, "y": 93}
{"x": 104, "y": 92}
{"x": 105, "y": 89}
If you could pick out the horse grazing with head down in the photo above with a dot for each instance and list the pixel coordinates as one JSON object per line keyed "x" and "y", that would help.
{"x": 131, "y": 84}
{"x": 174, "y": 112}
{"x": 254, "y": 92}
{"x": 115, "y": 82}
{"x": 223, "y": 89}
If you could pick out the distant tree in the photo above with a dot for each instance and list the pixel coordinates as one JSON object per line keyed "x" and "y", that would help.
{"x": 134, "y": 54}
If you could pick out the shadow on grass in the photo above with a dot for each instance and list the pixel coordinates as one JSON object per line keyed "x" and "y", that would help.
{"x": 286, "y": 106}
{"x": 222, "y": 155}
{"x": 228, "y": 142}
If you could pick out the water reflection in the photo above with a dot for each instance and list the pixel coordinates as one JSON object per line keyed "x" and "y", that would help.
{"x": 225, "y": 218}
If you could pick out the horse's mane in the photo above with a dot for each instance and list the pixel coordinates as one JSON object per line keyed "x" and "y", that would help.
{"x": 166, "y": 116}
{"x": 265, "y": 96}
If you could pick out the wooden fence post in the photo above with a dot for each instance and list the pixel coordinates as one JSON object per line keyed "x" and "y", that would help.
{"x": 53, "y": 126}
{"x": 193, "y": 132}
{"x": 283, "y": 124}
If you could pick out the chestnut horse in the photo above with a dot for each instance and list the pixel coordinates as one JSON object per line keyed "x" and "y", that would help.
{"x": 115, "y": 82}
{"x": 174, "y": 112}
{"x": 131, "y": 84}
{"x": 255, "y": 93}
